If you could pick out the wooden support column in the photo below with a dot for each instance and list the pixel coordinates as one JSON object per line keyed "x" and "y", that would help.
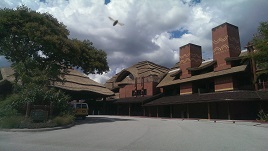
{"x": 228, "y": 111}
{"x": 157, "y": 111}
{"x": 117, "y": 108}
{"x": 253, "y": 67}
{"x": 51, "y": 109}
{"x": 170, "y": 110}
{"x": 28, "y": 109}
{"x": 187, "y": 108}
{"x": 129, "y": 110}
{"x": 104, "y": 105}
{"x": 149, "y": 111}
{"x": 143, "y": 111}
{"x": 208, "y": 111}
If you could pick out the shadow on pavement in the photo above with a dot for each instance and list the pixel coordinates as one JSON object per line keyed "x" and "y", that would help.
{"x": 101, "y": 119}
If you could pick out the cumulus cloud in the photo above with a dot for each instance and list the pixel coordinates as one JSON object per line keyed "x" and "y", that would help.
{"x": 148, "y": 28}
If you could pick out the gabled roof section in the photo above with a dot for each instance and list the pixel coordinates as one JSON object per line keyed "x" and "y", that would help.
{"x": 147, "y": 68}
{"x": 76, "y": 81}
{"x": 240, "y": 57}
{"x": 175, "y": 72}
{"x": 126, "y": 81}
{"x": 204, "y": 65}
{"x": 139, "y": 70}
{"x": 169, "y": 80}
{"x": 176, "y": 66}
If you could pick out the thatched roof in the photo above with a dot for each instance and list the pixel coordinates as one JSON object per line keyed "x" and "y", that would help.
{"x": 6, "y": 79}
{"x": 7, "y": 74}
{"x": 171, "y": 80}
{"x": 176, "y": 66}
{"x": 76, "y": 81}
{"x": 139, "y": 70}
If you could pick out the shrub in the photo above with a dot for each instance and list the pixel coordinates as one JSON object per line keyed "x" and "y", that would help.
{"x": 29, "y": 123}
{"x": 263, "y": 116}
{"x": 63, "y": 120}
{"x": 6, "y": 109}
{"x": 11, "y": 121}
{"x": 38, "y": 95}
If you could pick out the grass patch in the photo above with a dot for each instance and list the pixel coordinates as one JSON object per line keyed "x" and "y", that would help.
{"x": 21, "y": 122}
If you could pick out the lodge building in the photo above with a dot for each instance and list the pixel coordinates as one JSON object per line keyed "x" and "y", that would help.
{"x": 225, "y": 87}
{"x": 220, "y": 88}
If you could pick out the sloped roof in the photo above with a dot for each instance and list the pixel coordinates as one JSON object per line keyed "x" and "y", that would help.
{"x": 139, "y": 99}
{"x": 126, "y": 81}
{"x": 7, "y": 74}
{"x": 147, "y": 68}
{"x": 207, "y": 97}
{"x": 139, "y": 70}
{"x": 176, "y": 66}
{"x": 169, "y": 80}
{"x": 204, "y": 65}
{"x": 76, "y": 81}
{"x": 241, "y": 56}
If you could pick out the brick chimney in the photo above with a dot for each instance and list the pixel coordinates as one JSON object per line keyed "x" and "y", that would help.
{"x": 225, "y": 43}
{"x": 190, "y": 57}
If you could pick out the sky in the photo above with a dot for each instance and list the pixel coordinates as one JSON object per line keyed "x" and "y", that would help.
{"x": 153, "y": 30}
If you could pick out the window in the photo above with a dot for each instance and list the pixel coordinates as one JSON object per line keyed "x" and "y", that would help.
{"x": 139, "y": 92}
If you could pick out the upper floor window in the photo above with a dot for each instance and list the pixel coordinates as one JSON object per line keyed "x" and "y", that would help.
{"x": 139, "y": 92}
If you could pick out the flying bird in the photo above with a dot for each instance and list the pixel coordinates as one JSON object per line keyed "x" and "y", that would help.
{"x": 115, "y": 21}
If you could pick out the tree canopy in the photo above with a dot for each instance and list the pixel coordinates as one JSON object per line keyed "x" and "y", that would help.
{"x": 260, "y": 42}
{"x": 39, "y": 46}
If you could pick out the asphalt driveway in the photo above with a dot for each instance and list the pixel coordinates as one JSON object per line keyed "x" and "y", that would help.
{"x": 117, "y": 133}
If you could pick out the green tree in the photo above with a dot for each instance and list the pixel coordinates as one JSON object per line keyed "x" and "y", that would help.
{"x": 260, "y": 42}
{"x": 38, "y": 46}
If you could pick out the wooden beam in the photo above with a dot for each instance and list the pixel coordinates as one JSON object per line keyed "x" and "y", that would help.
{"x": 129, "y": 110}
{"x": 117, "y": 108}
{"x": 208, "y": 111}
{"x": 157, "y": 111}
{"x": 28, "y": 109}
{"x": 170, "y": 110}
{"x": 187, "y": 108}
{"x": 228, "y": 111}
{"x": 143, "y": 111}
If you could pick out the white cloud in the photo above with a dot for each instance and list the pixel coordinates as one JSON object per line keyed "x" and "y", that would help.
{"x": 145, "y": 35}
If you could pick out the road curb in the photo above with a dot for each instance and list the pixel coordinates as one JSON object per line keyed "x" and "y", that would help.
{"x": 38, "y": 129}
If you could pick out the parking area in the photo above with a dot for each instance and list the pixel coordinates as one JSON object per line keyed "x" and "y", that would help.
{"x": 122, "y": 133}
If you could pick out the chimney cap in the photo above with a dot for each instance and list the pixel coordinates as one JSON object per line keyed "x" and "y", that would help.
{"x": 224, "y": 24}
{"x": 190, "y": 44}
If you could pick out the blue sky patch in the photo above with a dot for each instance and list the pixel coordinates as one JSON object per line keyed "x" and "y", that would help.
{"x": 106, "y": 2}
{"x": 177, "y": 33}
{"x": 191, "y": 3}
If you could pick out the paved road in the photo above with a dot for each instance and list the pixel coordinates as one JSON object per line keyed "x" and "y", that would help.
{"x": 115, "y": 133}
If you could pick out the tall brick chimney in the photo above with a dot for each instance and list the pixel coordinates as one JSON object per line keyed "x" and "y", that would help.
{"x": 225, "y": 43}
{"x": 190, "y": 57}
